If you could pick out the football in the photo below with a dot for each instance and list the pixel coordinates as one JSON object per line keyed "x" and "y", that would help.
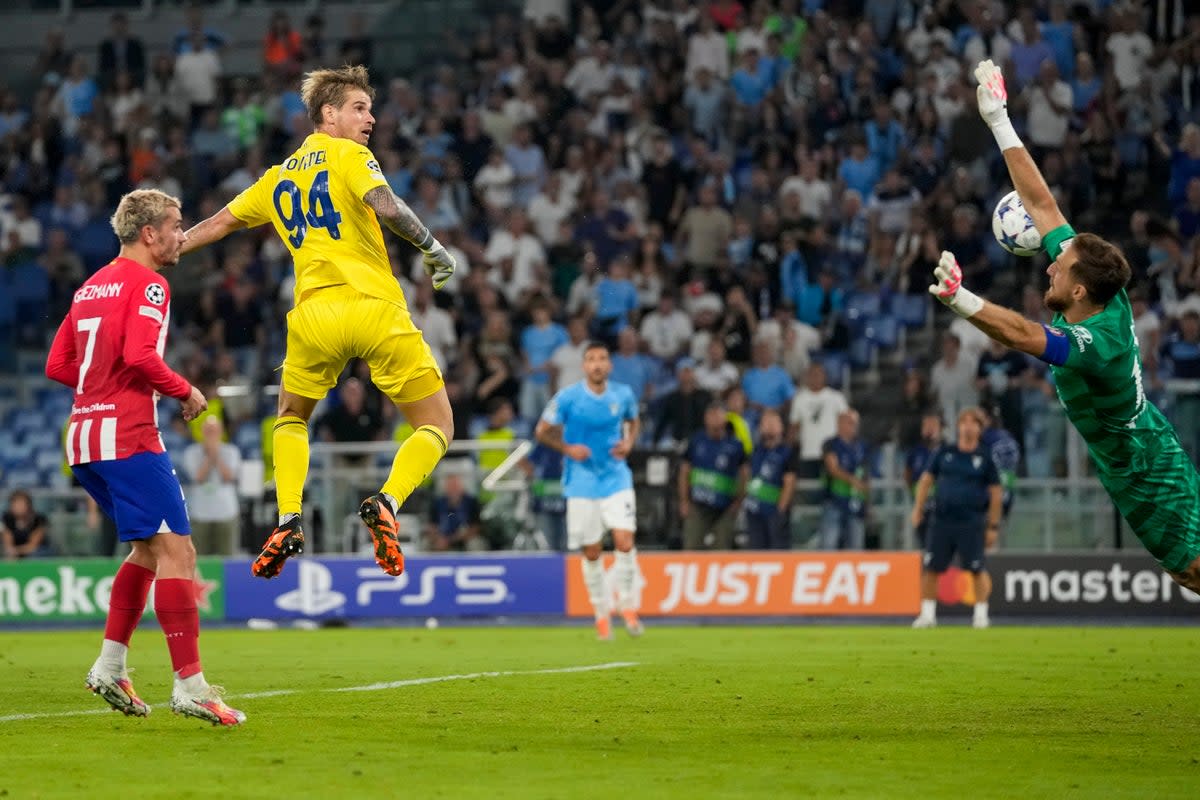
{"x": 1013, "y": 227}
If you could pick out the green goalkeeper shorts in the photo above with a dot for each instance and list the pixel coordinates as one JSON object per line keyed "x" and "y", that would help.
{"x": 1162, "y": 505}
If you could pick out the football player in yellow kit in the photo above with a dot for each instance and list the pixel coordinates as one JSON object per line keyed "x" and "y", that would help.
{"x": 326, "y": 202}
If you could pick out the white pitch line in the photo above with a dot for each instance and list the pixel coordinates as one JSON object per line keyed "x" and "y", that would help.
{"x": 370, "y": 687}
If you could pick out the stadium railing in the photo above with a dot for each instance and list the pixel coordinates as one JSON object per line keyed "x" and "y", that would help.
{"x": 1072, "y": 514}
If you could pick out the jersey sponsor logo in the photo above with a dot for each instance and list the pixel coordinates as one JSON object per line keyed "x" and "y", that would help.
{"x": 156, "y": 294}
{"x": 92, "y": 409}
{"x": 98, "y": 291}
{"x": 1082, "y": 336}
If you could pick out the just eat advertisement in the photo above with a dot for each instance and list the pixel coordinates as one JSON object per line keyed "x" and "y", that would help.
{"x": 752, "y": 584}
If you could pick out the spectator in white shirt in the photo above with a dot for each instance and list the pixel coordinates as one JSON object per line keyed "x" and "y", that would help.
{"x": 667, "y": 330}
{"x": 495, "y": 181}
{"x": 1050, "y": 108}
{"x": 198, "y": 71}
{"x": 709, "y": 48}
{"x": 816, "y": 195}
{"x": 1130, "y": 49}
{"x": 567, "y": 360}
{"x": 715, "y": 374}
{"x": 549, "y": 208}
{"x": 435, "y": 324}
{"x": 517, "y": 243}
{"x": 791, "y": 340}
{"x": 593, "y": 73}
{"x": 953, "y": 380}
{"x": 812, "y": 420}
{"x": 213, "y": 507}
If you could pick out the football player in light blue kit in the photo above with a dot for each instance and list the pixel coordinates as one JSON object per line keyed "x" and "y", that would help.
{"x": 594, "y": 423}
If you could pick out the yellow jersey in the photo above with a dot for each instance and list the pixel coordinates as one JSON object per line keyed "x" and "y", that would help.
{"x": 314, "y": 200}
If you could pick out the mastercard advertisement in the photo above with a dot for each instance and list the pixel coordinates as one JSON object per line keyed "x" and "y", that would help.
{"x": 763, "y": 584}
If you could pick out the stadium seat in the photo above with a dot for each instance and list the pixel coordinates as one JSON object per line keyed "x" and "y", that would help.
{"x": 248, "y": 436}
{"x": 861, "y": 350}
{"x": 835, "y": 364}
{"x": 883, "y": 331}
{"x": 860, "y": 307}
{"x": 911, "y": 309}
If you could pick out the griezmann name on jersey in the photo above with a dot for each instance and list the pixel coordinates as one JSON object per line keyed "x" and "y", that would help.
{"x": 596, "y": 421}
{"x": 314, "y": 200}
{"x": 109, "y": 348}
{"x": 1140, "y": 463}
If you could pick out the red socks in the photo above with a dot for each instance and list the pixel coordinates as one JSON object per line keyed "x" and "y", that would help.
{"x": 127, "y": 601}
{"x": 175, "y": 605}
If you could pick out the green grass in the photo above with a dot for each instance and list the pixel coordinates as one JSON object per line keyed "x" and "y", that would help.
{"x": 770, "y": 712}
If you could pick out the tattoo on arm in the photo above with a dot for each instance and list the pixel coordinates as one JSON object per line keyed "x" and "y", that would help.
{"x": 550, "y": 435}
{"x": 397, "y": 216}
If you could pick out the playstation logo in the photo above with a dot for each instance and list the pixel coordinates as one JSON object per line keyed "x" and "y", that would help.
{"x": 314, "y": 595}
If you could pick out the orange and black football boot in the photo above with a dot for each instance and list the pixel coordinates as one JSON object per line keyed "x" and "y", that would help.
{"x": 377, "y": 512}
{"x": 285, "y": 541}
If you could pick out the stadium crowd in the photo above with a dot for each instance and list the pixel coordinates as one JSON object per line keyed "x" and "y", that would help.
{"x": 737, "y": 196}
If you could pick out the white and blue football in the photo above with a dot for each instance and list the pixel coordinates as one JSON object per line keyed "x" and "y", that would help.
{"x": 1013, "y": 227}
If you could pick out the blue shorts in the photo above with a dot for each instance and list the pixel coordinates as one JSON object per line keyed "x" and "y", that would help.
{"x": 944, "y": 540}
{"x": 141, "y": 494}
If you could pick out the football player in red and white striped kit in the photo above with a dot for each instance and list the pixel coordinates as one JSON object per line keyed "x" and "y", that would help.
{"x": 109, "y": 350}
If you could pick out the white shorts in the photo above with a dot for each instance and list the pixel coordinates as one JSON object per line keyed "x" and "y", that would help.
{"x": 589, "y": 517}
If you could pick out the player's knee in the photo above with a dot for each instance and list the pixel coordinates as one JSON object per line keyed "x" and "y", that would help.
{"x": 592, "y": 551}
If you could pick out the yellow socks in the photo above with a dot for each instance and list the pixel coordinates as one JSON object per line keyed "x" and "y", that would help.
{"x": 291, "y": 462}
{"x": 415, "y": 459}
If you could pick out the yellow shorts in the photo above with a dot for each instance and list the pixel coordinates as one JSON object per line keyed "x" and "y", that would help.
{"x": 332, "y": 325}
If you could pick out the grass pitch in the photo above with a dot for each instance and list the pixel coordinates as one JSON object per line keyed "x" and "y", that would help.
{"x": 729, "y": 712}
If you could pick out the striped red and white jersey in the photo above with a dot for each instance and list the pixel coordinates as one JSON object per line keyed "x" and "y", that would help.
{"x": 109, "y": 350}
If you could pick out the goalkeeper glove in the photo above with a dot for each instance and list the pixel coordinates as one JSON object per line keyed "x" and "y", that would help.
{"x": 993, "y": 104}
{"x": 949, "y": 288}
{"x": 439, "y": 264}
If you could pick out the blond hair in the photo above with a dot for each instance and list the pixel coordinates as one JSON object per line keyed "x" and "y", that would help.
{"x": 327, "y": 87}
{"x": 138, "y": 209}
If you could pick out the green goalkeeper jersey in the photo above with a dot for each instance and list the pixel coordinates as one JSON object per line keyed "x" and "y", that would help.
{"x": 1138, "y": 457}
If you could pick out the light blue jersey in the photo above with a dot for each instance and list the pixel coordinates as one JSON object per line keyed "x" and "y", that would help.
{"x": 594, "y": 420}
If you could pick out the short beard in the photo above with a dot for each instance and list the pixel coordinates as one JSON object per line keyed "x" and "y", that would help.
{"x": 1055, "y": 304}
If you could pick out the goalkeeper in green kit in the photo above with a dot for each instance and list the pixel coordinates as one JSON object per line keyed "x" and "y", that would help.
{"x": 1092, "y": 350}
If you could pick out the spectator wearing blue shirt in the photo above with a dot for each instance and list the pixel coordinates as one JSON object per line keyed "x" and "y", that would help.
{"x": 538, "y": 343}
{"x": 544, "y": 468}
{"x": 1181, "y": 364}
{"x": 1187, "y": 214}
{"x": 1185, "y": 161}
{"x": 751, "y": 82}
{"x": 614, "y": 300}
{"x": 1086, "y": 84}
{"x": 712, "y": 482}
{"x": 767, "y": 385}
{"x": 454, "y": 519}
{"x": 774, "y": 62}
{"x": 1059, "y": 33}
{"x": 704, "y": 101}
{"x": 1028, "y": 55}
{"x": 605, "y": 229}
{"x": 885, "y": 137}
{"x": 843, "y": 519}
{"x": 858, "y": 170}
{"x": 77, "y": 95}
{"x": 630, "y": 367}
{"x": 819, "y": 302}
{"x": 528, "y": 163}
{"x": 182, "y": 43}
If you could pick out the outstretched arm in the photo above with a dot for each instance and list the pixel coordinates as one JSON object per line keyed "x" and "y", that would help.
{"x": 400, "y": 220}
{"x": 1026, "y": 178}
{"x": 1004, "y": 325}
{"x": 213, "y": 229}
